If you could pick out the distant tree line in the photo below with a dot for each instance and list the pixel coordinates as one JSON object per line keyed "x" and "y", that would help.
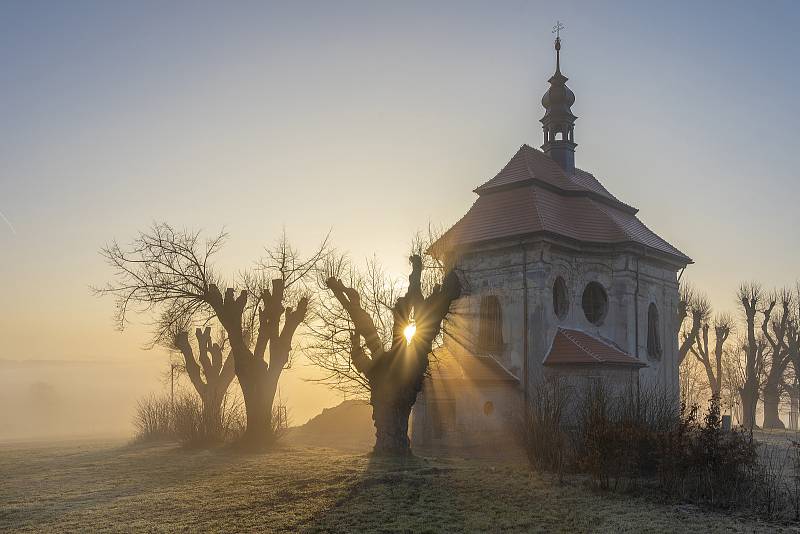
{"x": 746, "y": 360}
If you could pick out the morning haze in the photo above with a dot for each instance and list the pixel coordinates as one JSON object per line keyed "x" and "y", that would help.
{"x": 367, "y": 122}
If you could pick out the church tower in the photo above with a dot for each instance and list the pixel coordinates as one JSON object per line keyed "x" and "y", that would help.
{"x": 558, "y": 122}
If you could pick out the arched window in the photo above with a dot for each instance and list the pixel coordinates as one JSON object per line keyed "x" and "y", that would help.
{"x": 653, "y": 336}
{"x": 490, "y": 333}
{"x": 560, "y": 298}
{"x": 595, "y": 303}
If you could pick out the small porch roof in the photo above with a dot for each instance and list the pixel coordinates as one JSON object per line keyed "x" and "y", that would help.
{"x": 574, "y": 347}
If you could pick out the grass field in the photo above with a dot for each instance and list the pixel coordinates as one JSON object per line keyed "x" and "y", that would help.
{"x": 110, "y": 486}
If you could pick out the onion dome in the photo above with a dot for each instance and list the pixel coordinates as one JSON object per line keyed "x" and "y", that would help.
{"x": 558, "y": 122}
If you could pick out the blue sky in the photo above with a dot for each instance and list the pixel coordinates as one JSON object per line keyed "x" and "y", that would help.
{"x": 373, "y": 119}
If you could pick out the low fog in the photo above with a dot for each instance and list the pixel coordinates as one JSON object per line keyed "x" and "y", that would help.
{"x": 64, "y": 399}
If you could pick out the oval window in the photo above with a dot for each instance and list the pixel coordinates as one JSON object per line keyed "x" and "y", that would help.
{"x": 488, "y": 408}
{"x": 595, "y": 303}
{"x": 560, "y": 298}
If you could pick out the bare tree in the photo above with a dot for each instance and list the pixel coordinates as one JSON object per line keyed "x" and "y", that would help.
{"x": 166, "y": 271}
{"x": 259, "y": 321}
{"x": 693, "y": 383}
{"x": 712, "y": 358}
{"x": 732, "y": 380}
{"x": 210, "y": 372}
{"x": 776, "y": 331}
{"x": 331, "y": 330}
{"x": 170, "y": 271}
{"x": 691, "y": 305}
{"x": 790, "y": 382}
{"x": 751, "y": 296}
{"x": 394, "y": 376}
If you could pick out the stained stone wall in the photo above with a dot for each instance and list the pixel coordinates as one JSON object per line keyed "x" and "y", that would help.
{"x": 499, "y": 271}
{"x": 631, "y": 280}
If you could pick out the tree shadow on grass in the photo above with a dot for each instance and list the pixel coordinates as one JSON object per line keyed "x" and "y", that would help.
{"x": 412, "y": 494}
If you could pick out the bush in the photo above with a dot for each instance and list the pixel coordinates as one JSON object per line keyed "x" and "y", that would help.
{"x": 153, "y": 420}
{"x": 642, "y": 439}
{"x": 197, "y": 427}
{"x": 609, "y": 440}
{"x": 543, "y": 437}
{"x": 701, "y": 463}
{"x": 280, "y": 421}
{"x": 158, "y": 418}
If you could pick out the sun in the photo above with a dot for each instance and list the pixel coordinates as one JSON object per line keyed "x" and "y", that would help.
{"x": 408, "y": 331}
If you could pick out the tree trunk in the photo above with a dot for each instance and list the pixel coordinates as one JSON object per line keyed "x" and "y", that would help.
{"x": 212, "y": 411}
{"x": 771, "y": 401}
{"x": 749, "y": 399}
{"x": 391, "y": 426}
{"x": 258, "y": 397}
{"x": 395, "y": 376}
{"x": 258, "y": 408}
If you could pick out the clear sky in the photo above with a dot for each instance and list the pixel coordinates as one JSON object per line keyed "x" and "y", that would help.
{"x": 372, "y": 119}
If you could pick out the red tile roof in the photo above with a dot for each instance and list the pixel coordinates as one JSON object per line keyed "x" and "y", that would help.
{"x": 533, "y": 195}
{"x": 470, "y": 367}
{"x": 576, "y": 347}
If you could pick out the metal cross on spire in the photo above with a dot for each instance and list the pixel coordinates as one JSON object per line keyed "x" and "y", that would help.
{"x": 557, "y": 30}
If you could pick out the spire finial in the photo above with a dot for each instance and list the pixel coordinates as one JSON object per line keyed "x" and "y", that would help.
{"x": 557, "y": 30}
{"x": 558, "y": 122}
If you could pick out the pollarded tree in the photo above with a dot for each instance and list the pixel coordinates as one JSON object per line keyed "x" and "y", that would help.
{"x": 331, "y": 330}
{"x": 258, "y": 375}
{"x": 753, "y": 348}
{"x": 712, "y": 358}
{"x": 210, "y": 372}
{"x": 775, "y": 329}
{"x": 394, "y": 375}
{"x": 791, "y": 384}
{"x": 170, "y": 272}
{"x": 694, "y": 306}
{"x": 693, "y": 384}
{"x": 332, "y": 327}
{"x": 163, "y": 273}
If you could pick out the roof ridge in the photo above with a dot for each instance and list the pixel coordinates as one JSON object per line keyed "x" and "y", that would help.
{"x": 591, "y": 175}
{"x": 579, "y": 345}
{"x": 533, "y": 191}
{"x": 523, "y": 145}
{"x": 613, "y": 219}
{"x": 497, "y": 362}
{"x": 630, "y": 236}
{"x": 607, "y": 342}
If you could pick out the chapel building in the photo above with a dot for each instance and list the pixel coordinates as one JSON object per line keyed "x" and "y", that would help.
{"x": 561, "y": 279}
